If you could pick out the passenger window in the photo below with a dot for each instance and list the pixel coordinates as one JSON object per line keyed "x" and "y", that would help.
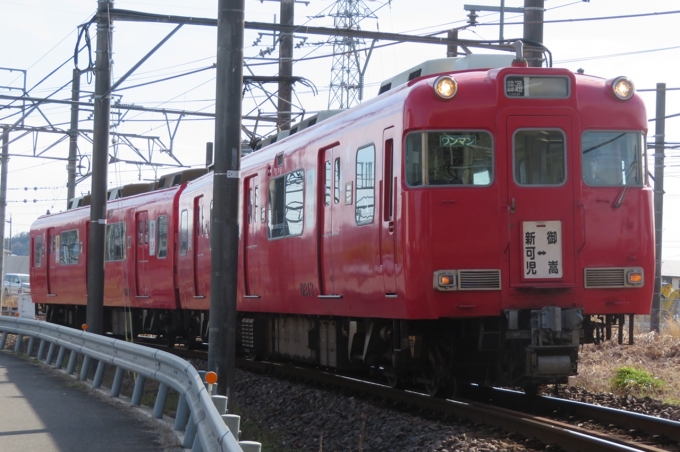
{"x": 115, "y": 242}
{"x": 69, "y": 250}
{"x": 162, "y": 236}
{"x": 539, "y": 157}
{"x": 38, "y": 252}
{"x": 286, "y": 206}
{"x": 365, "y": 185}
{"x": 336, "y": 200}
{"x": 184, "y": 233}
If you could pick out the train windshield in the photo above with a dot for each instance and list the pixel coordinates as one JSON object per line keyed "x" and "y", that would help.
{"x": 539, "y": 157}
{"x": 449, "y": 158}
{"x": 612, "y": 159}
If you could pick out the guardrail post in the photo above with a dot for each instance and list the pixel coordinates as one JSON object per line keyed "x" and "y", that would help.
{"x": 3, "y": 340}
{"x": 17, "y": 344}
{"x": 99, "y": 375}
{"x": 71, "y": 362}
{"x": 29, "y": 350}
{"x": 160, "y": 401}
{"x": 197, "y": 446}
{"x": 50, "y": 353}
{"x": 190, "y": 433}
{"x": 139, "y": 391}
{"x": 60, "y": 357}
{"x": 250, "y": 446}
{"x": 117, "y": 382}
{"x": 220, "y": 403}
{"x": 233, "y": 423}
{"x": 181, "y": 414}
{"x": 85, "y": 368}
{"x": 41, "y": 349}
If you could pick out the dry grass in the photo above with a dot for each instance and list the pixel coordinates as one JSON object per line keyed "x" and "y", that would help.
{"x": 657, "y": 355}
{"x": 10, "y": 302}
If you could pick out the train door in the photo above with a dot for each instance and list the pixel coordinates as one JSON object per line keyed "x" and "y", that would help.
{"x": 254, "y": 217}
{"x": 541, "y": 201}
{"x": 329, "y": 202}
{"x": 142, "y": 255}
{"x": 387, "y": 223}
{"x": 201, "y": 249}
{"x": 50, "y": 249}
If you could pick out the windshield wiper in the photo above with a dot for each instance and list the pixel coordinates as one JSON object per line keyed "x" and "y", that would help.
{"x": 622, "y": 195}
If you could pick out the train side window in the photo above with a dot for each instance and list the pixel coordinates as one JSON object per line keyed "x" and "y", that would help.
{"x": 162, "y": 236}
{"x": 336, "y": 199}
{"x": 184, "y": 233}
{"x": 115, "y": 242}
{"x": 257, "y": 203}
{"x": 286, "y": 205}
{"x": 539, "y": 157}
{"x": 449, "y": 158}
{"x": 365, "y": 186}
{"x": 612, "y": 158}
{"x": 327, "y": 183}
{"x": 69, "y": 250}
{"x": 38, "y": 251}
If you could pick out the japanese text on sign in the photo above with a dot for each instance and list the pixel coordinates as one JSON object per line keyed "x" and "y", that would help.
{"x": 542, "y": 249}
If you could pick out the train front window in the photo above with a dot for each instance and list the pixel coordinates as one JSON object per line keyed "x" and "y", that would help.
{"x": 539, "y": 157}
{"x": 612, "y": 159}
{"x": 449, "y": 158}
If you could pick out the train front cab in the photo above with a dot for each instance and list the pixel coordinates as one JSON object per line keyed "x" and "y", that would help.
{"x": 543, "y": 246}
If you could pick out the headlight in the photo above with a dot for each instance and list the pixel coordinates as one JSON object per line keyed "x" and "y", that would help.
{"x": 445, "y": 87}
{"x": 623, "y": 88}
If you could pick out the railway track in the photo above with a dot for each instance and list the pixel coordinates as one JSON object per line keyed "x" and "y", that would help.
{"x": 546, "y": 419}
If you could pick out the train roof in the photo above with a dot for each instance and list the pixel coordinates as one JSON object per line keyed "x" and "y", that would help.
{"x": 429, "y": 67}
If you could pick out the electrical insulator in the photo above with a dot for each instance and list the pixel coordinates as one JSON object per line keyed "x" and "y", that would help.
{"x": 472, "y": 17}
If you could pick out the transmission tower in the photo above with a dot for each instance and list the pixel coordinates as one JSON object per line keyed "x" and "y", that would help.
{"x": 347, "y": 71}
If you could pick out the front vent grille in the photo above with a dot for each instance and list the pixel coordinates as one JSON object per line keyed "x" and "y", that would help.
{"x": 605, "y": 277}
{"x": 479, "y": 280}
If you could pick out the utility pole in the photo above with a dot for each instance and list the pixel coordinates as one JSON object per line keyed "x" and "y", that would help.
{"x": 659, "y": 162}
{"x": 286, "y": 65}
{"x": 3, "y": 196}
{"x": 73, "y": 135}
{"x": 451, "y": 49}
{"x": 226, "y": 183}
{"x": 100, "y": 160}
{"x": 533, "y": 31}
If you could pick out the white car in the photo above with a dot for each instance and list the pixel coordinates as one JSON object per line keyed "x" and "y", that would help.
{"x": 16, "y": 283}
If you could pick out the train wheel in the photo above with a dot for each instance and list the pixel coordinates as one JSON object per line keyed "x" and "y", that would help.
{"x": 392, "y": 378}
{"x": 437, "y": 382}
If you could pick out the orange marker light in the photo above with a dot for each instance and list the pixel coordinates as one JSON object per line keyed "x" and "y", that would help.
{"x": 84, "y": 327}
{"x": 446, "y": 280}
{"x": 211, "y": 378}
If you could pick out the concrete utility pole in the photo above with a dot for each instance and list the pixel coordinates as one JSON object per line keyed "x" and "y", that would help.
{"x": 286, "y": 65}
{"x": 3, "y": 197}
{"x": 659, "y": 162}
{"x": 100, "y": 161}
{"x": 73, "y": 134}
{"x": 226, "y": 183}
{"x": 533, "y": 31}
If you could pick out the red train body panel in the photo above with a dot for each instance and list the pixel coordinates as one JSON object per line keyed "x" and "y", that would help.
{"x": 495, "y": 223}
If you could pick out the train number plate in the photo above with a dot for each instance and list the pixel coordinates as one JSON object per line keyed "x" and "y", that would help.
{"x": 542, "y": 249}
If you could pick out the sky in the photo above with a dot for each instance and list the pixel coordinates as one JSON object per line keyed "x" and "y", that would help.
{"x": 40, "y": 36}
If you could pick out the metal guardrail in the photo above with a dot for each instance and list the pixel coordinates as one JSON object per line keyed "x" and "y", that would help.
{"x": 197, "y": 412}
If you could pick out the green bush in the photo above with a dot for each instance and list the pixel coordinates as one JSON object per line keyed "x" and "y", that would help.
{"x": 629, "y": 379}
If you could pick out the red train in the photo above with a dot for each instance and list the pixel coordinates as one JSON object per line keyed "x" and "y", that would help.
{"x": 474, "y": 225}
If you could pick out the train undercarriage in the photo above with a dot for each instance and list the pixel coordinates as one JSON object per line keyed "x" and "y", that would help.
{"x": 524, "y": 348}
